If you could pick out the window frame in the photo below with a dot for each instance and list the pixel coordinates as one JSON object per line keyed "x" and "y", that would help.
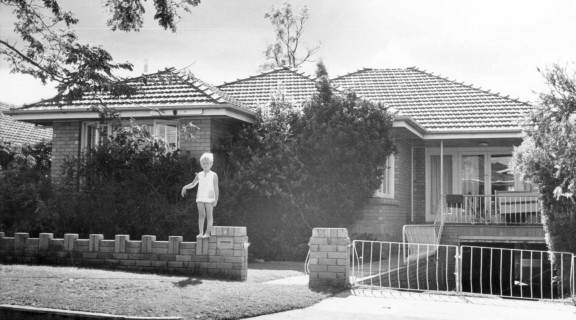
{"x": 176, "y": 123}
{"x": 95, "y": 140}
{"x": 389, "y": 174}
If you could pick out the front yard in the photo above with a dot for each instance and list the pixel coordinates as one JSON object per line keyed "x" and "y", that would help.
{"x": 138, "y": 294}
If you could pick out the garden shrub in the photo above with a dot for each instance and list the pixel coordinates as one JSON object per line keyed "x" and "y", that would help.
{"x": 24, "y": 185}
{"x": 299, "y": 168}
{"x": 547, "y": 157}
{"x": 130, "y": 183}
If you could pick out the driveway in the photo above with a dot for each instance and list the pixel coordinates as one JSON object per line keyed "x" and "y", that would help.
{"x": 393, "y": 305}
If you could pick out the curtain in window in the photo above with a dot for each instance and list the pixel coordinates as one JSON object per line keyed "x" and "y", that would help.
{"x": 472, "y": 174}
{"x": 435, "y": 193}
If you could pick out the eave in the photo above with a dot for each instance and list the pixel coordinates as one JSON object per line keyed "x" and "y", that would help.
{"x": 178, "y": 111}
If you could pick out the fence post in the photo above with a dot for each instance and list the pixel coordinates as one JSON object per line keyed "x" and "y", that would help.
{"x": 329, "y": 262}
{"x": 458, "y": 271}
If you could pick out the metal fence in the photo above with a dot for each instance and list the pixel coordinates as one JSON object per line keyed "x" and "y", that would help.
{"x": 424, "y": 267}
{"x": 504, "y": 272}
{"x": 509, "y": 208}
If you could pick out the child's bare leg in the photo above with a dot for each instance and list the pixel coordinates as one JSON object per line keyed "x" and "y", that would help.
{"x": 201, "y": 216}
{"x": 209, "y": 209}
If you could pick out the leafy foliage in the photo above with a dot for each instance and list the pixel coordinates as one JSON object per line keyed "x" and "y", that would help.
{"x": 296, "y": 169}
{"x": 24, "y": 184}
{"x": 128, "y": 184}
{"x": 547, "y": 156}
{"x": 50, "y": 49}
{"x": 289, "y": 28}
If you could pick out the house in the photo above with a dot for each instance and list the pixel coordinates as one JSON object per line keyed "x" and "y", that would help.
{"x": 18, "y": 132}
{"x": 164, "y": 101}
{"x": 454, "y": 142}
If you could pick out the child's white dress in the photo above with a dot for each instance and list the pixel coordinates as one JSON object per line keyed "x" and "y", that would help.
{"x": 206, "y": 187}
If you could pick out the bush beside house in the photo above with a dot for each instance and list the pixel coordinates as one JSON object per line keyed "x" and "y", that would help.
{"x": 547, "y": 157}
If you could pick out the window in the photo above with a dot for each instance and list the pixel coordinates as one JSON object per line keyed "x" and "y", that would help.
{"x": 167, "y": 130}
{"x": 386, "y": 189}
{"x": 91, "y": 133}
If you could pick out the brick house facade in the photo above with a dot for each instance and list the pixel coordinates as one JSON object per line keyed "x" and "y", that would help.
{"x": 473, "y": 129}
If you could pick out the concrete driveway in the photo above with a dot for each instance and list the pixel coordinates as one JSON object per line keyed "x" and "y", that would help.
{"x": 393, "y": 305}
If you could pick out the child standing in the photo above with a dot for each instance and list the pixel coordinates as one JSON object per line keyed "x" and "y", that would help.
{"x": 208, "y": 192}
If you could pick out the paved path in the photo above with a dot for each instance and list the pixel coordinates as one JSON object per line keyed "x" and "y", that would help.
{"x": 396, "y": 305}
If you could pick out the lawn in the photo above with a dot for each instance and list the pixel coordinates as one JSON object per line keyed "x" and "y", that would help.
{"x": 138, "y": 294}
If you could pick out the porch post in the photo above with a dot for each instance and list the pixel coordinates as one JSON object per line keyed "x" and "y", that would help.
{"x": 441, "y": 167}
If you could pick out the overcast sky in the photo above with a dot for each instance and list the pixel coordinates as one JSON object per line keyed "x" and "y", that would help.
{"x": 496, "y": 45}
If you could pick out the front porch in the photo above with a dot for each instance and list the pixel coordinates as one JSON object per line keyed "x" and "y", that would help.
{"x": 512, "y": 216}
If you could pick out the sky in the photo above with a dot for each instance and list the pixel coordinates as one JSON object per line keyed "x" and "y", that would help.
{"x": 495, "y": 45}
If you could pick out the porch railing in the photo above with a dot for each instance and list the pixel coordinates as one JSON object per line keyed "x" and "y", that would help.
{"x": 505, "y": 208}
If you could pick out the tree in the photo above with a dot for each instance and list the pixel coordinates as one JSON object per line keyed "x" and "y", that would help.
{"x": 547, "y": 157}
{"x": 289, "y": 27}
{"x": 50, "y": 50}
{"x": 297, "y": 168}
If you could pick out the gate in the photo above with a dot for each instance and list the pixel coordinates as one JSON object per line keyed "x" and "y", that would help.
{"x": 517, "y": 273}
{"x": 396, "y": 265}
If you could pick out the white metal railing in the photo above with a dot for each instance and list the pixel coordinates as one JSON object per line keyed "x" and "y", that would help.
{"x": 505, "y": 208}
{"x": 517, "y": 273}
{"x": 504, "y": 272}
{"x": 382, "y": 265}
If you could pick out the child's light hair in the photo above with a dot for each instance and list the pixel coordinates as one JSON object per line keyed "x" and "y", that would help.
{"x": 207, "y": 156}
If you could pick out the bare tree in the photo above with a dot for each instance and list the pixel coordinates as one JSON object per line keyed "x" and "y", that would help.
{"x": 289, "y": 27}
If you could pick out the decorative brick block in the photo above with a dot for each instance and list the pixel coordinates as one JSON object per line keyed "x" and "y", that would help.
{"x": 329, "y": 254}
{"x": 69, "y": 239}
{"x": 224, "y": 254}
{"x": 44, "y": 243}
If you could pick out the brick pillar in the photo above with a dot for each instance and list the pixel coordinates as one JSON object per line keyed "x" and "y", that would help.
{"x": 69, "y": 239}
{"x": 94, "y": 242}
{"x": 329, "y": 262}
{"x": 174, "y": 244}
{"x": 20, "y": 242}
{"x": 120, "y": 243}
{"x": 44, "y": 242}
{"x": 147, "y": 243}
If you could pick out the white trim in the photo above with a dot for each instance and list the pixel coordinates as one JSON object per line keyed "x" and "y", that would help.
{"x": 175, "y": 112}
{"x": 391, "y": 164}
{"x": 84, "y": 133}
{"x": 456, "y": 153}
{"x": 176, "y": 123}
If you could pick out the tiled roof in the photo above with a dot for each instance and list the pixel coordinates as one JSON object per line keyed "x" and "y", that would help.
{"x": 436, "y": 103}
{"x": 20, "y": 132}
{"x": 163, "y": 89}
{"x": 258, "y": 90}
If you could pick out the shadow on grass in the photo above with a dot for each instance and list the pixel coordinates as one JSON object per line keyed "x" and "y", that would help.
{"x": 187, "y": 282}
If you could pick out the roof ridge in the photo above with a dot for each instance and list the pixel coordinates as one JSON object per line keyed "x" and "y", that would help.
{"x": 216, "y": 94}
{"x": 296, "y": 71}
{"x": 351, "y": 73}
{"x": 488, "y": 91}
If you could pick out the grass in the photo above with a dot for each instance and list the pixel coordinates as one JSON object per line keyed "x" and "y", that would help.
{"x": 138, "y": 294}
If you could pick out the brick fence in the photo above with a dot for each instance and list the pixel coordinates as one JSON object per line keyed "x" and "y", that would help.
{"x": 224, "y": 254}
{"x": 329, "y": 263}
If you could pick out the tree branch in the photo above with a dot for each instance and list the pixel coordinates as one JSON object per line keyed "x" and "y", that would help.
{"x": 55, "y": 77}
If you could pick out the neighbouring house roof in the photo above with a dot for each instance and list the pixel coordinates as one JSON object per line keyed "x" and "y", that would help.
{"x": 436, "y": 103}
{"x": 295, "y": 86}
{"x": 167, "y": 90}
{"x": 20, "y": 132}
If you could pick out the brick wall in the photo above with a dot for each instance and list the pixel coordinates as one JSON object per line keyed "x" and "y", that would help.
{"x": 224, "y": 254}
{"x": 65, "y": 142}
{"x": 211, "y": 131}
{"x": 384, "y": 218}
{"x": 419, "y": 185}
